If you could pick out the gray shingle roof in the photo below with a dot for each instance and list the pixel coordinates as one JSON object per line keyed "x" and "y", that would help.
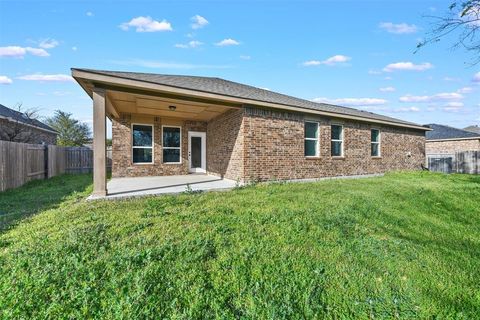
{"x": 445, "y": 132}
{"x": 18, "y": 116}
{"x": 238, "y": 90}
{"x": 474, "y": 129}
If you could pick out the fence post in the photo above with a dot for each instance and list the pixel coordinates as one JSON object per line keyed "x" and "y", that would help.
{"x": 477, "y": 161}
{"x": 45, "y": 159}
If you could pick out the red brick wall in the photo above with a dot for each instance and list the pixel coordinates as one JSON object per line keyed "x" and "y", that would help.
{"x": 259, "y": 144}
{"x": 452, "y": 146}
{"x": 122, "y": 165}
{"x": 274, "y": 148}
{"x": 225, "y": 145}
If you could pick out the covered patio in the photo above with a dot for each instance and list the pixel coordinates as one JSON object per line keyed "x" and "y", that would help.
{"x": 165, "y": 139}
{"x": 130, "y": 187}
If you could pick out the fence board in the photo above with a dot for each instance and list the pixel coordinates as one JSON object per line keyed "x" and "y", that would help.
{"x": 79, "y": 160}
{"x": 56, "y": 161}
{"x": 19, "y": 163}
{"x": 22, "y": 162}
{"x": 460, "y": 162}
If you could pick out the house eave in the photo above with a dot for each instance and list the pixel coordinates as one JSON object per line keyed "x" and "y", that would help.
{"x": 28, "y": 125}
{"x": 453, "y": 139}
{"x": 82, "y": 77}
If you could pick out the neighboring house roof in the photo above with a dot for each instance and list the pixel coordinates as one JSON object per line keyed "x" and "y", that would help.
{"x": 441, "y": 132}
{"x": 14, "y": 115}
{"x": 238, "y": 90}
{"x": 475, "y": 129}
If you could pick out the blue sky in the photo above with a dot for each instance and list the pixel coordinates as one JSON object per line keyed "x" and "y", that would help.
{"x": 353, "y": 53}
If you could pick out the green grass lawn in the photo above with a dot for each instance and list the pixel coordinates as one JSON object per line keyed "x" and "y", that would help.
{"x": 401, "y": 246}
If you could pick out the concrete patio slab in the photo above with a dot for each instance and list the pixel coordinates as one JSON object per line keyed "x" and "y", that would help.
{"x": 145, "y": 186}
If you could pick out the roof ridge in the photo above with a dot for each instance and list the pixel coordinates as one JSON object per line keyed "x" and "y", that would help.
{"x": 444, "y": 125}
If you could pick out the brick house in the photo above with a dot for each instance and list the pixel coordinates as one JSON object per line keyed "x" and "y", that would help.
{"x": 16, "y": 127}
{"x": 448, "y": 141}
{"x": 176, "y": 125}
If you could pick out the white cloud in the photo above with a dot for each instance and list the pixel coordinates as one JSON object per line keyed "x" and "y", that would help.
{"x": 388, "y": 78}
{"x": 334, "y": 60}
{"x": 398, "y": 66}
{"x": 227, "y": 42}
{"x": 48, "y": 43}
{"x": 374, "y": 72}
{"x": 447, "y": 96}
{"x": 181, "y": 46}
{"x": 465, "y": 90}
{"x": 74, "y": 48}
{"x": 198, "y": 22}
{"x": 310, "y": 63}
{"x": 61, "y": 93}
{"x": 37, "y": 52}
{"x": 47, "y": 77}
{"x": 406, "y": 109}
{"x": 453, "y": 106}
{"x": 476, "y": 77}
{"x": 191, "y": 44}
{"x": 400, "y": 28}
{"x": 166, "y": 65}
{"x": 20, "y": 52}
{"x": 89, "y": 13}
{"x": 450, "y": 79}
{"x": 146, "y": 24}
{"x": 353, "y": 101}
{"x": 387, "y": 89}
{"x": 244, "y": 57}
{"x": 5, "y": 80}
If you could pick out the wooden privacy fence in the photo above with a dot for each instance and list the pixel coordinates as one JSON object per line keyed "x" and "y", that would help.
{"x": 79, "y": 160}
{"x": 460, "y": 162}
{"x": 468, "y": 162}
{"x": 22, "y": 162}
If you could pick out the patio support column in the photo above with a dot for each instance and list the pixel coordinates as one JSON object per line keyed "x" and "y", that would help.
{"x": 99, "y": 144}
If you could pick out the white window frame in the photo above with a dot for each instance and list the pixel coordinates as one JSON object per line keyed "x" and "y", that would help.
{"x": 379, "y": 143}
{"x": 180, "y": 148}
{"x": 138, "y": 147}
{"x": 317, "y": 153}
{"x": 342, "y": 140}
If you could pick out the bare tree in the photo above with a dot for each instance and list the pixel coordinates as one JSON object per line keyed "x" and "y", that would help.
{"x": 461, "y": 20}
{"x": 19, "y": 129}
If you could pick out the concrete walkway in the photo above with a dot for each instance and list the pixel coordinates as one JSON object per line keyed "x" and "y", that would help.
{"x": 144, "y": 186}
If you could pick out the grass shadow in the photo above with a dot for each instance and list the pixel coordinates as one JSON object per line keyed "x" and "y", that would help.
{"x": 39, "y": 195}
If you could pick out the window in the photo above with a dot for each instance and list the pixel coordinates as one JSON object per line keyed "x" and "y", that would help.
{"x": 375, "y": 143}
{"x": 172, "y": 136}
{"x": 311, "y": 139}
{"x": 142, "y": 146}
{"x": 337, "y": 140}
